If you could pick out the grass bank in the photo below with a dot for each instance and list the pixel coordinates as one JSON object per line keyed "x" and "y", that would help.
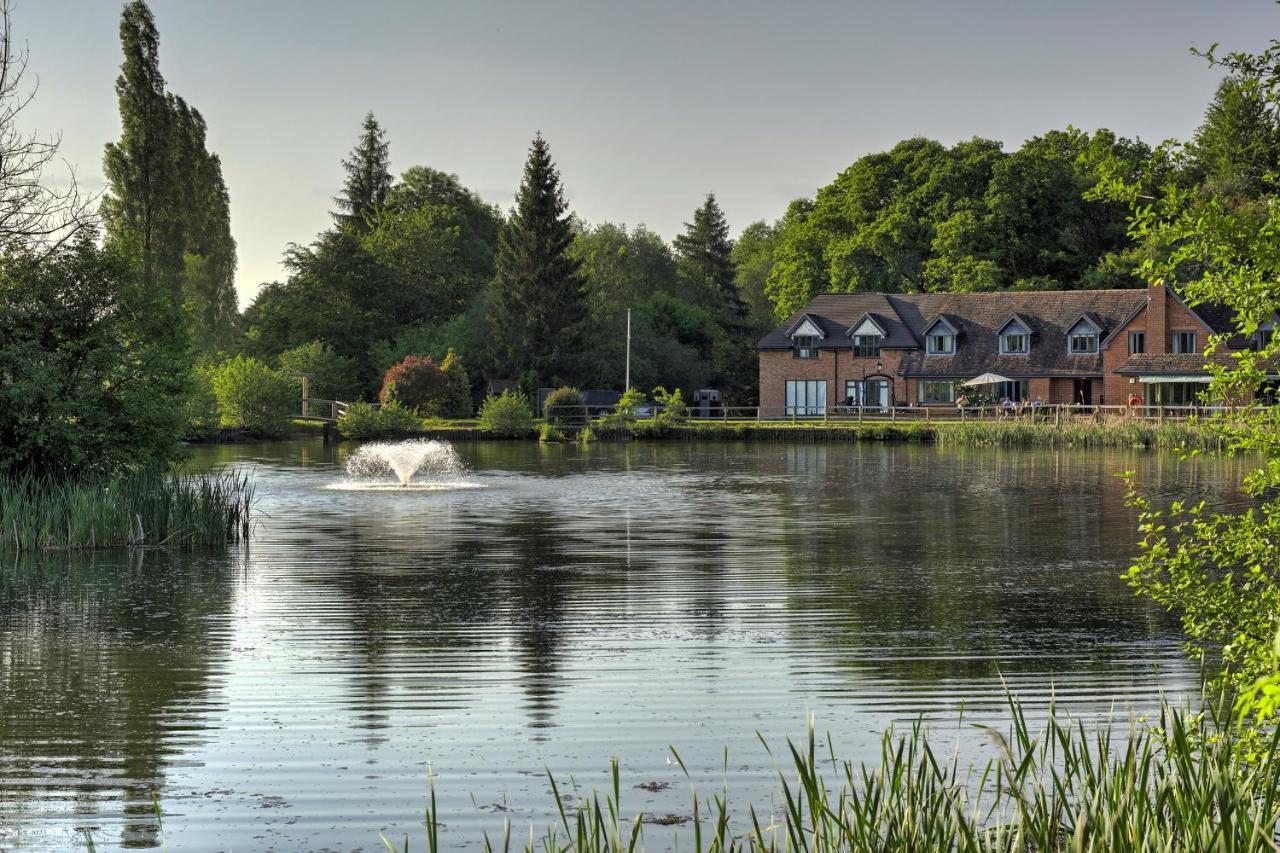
{"x": 1175, "y": 786}
{"x": 132, "y": 510}
{"x": 1117, "y": 433}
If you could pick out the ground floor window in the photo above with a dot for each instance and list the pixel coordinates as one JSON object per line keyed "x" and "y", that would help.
{"x": 937, "y": 390}
{"x": 806, "y": 396}
{"x": 866, "y": 393}
{"x": 1176, "y": 393}
{"x": 1015, "y": 390}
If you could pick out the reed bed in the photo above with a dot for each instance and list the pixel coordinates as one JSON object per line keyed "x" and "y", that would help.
{"x": 1176, "y": 786}
{"x": 1116, "y": 433}
{"x": 134, "y": 510}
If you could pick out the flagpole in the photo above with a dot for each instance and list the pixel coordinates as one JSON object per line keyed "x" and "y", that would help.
{"x": 626, "y": 385}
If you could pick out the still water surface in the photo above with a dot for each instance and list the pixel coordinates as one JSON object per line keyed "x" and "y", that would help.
{"x": 573, "y": 605}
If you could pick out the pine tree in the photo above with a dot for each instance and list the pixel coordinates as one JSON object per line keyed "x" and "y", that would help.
{"x": 703, "y": 259}
{"x": 368, "y": 178}
{"x": 1239, "y": 142}
{"x": 705, "y": 265}
{"x": 538, "y": 305}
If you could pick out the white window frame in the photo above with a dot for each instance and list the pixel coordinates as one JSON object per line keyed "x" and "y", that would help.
{"x": 805, "y": 397}
{"x": 1090, "y": 348}
{"x": 1175, "y": 342}
{"x": 923, "y": 398}
{"x": 931, "y": 348}
{"x": 1005, "y": 349}
{"x": 807, "y": 350}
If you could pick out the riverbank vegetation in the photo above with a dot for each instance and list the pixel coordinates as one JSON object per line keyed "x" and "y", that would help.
{"x": 1175, "y": 784}
{"x": 134, "y": 509}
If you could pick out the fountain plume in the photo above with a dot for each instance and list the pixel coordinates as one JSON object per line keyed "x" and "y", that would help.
{"x": 406, "y": 459}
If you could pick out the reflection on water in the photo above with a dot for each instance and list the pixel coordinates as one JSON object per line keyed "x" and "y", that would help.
{"x": 578, "y": 603}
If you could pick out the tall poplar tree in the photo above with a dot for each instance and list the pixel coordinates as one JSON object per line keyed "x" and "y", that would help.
{"x": 368, "y": 178}
{"x": 138, "y": 209}
{"x": 538, "y": 306}
{"x": 167, "y": 203}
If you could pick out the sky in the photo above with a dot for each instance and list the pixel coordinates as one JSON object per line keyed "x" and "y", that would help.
{"x": 647, "y": 105}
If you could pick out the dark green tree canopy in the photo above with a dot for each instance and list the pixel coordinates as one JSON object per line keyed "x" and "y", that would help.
{"x": 166, "y": 200}
{"x": 1239, "y": 142}
{"x": 538, "y": 308}
{"x": 368, "y": 179}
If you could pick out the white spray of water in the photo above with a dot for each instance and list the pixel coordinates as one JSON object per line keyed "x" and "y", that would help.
{"x": 404, "y": 459}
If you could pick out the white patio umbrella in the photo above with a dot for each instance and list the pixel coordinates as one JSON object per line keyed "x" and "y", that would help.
{"x": 987, "y": 379}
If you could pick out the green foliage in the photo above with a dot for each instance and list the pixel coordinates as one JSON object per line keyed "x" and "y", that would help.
{"x": 418, "y": 383}
{"x": 90, "y": 377}
{"x": 626, "y": 411}
{"x": 201, "y": 412}
{"x": 563, "y": 405}
{"x": 458, "y": 401}
{"x": 672, "y": 406}
{"x": 549, "y": 432}
{"x": 538, "y": 308}
{"x": 166, "y": 201}
{"x": 368, "y": 179}
{"x": 390, "y": 420}
{"x": 1239, "y": 143}
{"x": 332, "y": 375}
{"x": 135, "y": 509}
{"x": 507, "y": 415}
{"x": 254, "y": 397}
{"x": 924, "y": 217}
{"x": 752, "y": 258}
{"x": 1220, "y": 571}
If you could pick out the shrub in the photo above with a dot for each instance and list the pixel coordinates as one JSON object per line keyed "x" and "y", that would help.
{"x": 333, "y": 376}
{"x": 92, "y": 376}
{"x": 419, "y": 383}
{"x": 550, "y": 432}
{"x": 361, "y": 420}
{"x": 458, "y": 404}
{"x": 253, "y": 396}
{"x": 586, "y": 435}
{"x": 201, "y": 405}
{"x": 563, "y": 405}
{"x": 672, "y": 403}
{"x": 507, "y": 415}
{"x": 626, "y": 410}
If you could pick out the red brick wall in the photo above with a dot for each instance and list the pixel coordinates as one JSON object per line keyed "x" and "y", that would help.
{"x": 834, "y": 366}
{"x": 1163, "y": 316}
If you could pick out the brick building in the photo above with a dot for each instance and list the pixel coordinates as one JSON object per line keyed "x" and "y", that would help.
{"x": 1092, "y": 347}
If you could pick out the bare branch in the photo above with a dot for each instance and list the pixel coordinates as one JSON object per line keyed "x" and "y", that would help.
{"x": 33, "y": 212}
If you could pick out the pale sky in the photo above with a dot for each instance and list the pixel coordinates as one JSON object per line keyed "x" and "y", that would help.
{"x": 647, "y": 105}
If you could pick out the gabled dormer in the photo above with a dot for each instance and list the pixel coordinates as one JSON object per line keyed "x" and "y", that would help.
{"x": 867, "y": 335}
{"x": 1264, "y": 333}
{"x": 940, "y": 337}
{"x": 805, "y": 333}
{"x": 1083, "y": 335}
{"x": 1014, "y": 336}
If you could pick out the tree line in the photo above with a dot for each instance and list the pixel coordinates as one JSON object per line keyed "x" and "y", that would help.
{"x": 419, "y": 265}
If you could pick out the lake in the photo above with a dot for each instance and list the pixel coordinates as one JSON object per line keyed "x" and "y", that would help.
{"x": 571, "y": 604}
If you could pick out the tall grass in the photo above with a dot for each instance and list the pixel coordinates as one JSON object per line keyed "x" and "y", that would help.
{"x": 1176, "y": 786}
{"x": 1110, "y": 433}
{"x": 142, "y": 509}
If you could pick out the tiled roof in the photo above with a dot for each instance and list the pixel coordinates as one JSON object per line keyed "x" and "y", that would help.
{"x": 1183, "y": 364}
{"x": 976, "y": 317}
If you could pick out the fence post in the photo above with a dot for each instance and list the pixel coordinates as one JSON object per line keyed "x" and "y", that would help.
{"x": 893, "y": 414}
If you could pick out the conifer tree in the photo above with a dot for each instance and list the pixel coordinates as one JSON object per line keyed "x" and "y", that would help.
{"x": 368, "y": 178}
{"x": 703, "y": 259}
{"x": 705, "y": 265}
{"x": 538, "y": 305}
{"x": 1239, "y": 142}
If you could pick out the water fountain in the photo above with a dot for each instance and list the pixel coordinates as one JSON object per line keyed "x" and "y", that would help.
{"x": 437, "y": 461}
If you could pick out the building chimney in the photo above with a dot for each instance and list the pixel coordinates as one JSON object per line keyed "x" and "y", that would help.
{"x": 1158, "y": 318}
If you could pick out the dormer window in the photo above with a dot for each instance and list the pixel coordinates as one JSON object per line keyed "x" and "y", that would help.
{"x": 940, "y": 342}
{"x": 940, "y": 338}
{"x": 805, "y": 346}
{"x": 1015, "y": 343}
{"x": 1082, "y": 338}
{"x": 866, "y": 346}
{"x": 867, "y": 334}
{"x": 1015, "y": 337}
